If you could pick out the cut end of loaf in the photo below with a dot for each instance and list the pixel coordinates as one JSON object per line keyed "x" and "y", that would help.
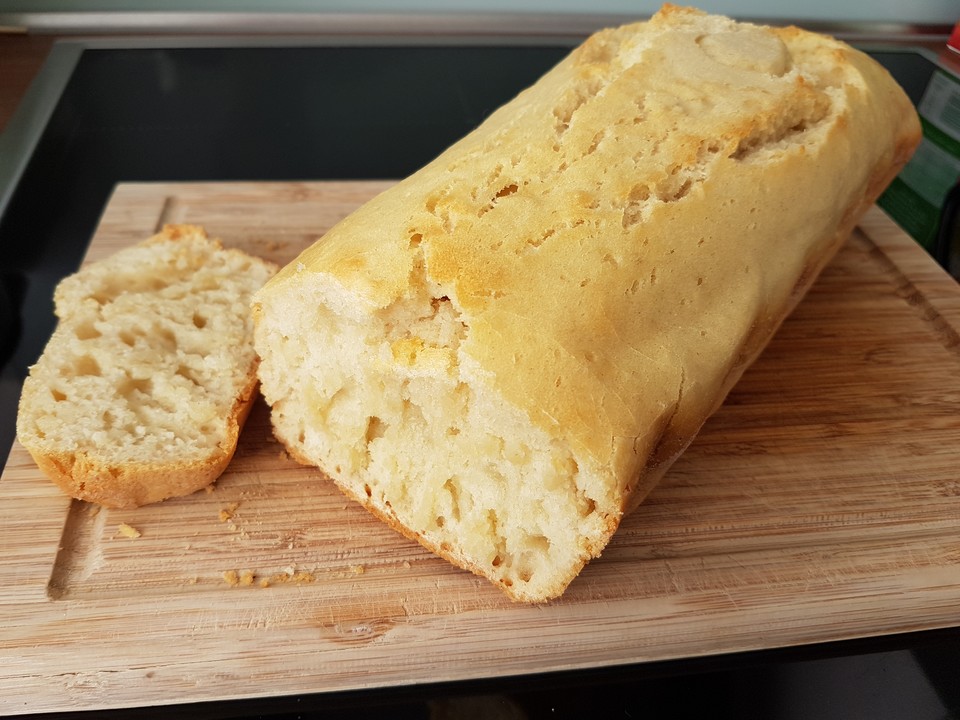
{"x": 141, "y": 392}
{"x": 406, "y": 424}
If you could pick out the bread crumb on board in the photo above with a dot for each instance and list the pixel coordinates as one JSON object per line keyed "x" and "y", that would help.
{"x": 227, "y": 512}
{"x": 128, "y": 531}
{"x": 243, "y": 578}
{"x": 247, "y": 578}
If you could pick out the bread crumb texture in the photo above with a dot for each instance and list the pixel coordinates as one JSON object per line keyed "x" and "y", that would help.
{"x": 143, "y": 387}
{"x": 503, "y": 353}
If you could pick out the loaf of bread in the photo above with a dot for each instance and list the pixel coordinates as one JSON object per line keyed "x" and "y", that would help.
{"x": 503, "y": 353}
{"x": 142, "y": 390}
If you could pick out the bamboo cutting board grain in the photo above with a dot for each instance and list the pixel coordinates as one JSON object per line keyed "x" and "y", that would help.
{"x": 822, "y": 502}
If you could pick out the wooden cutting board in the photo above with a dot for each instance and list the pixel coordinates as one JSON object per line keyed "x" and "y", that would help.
{"x": 822, "y": 502}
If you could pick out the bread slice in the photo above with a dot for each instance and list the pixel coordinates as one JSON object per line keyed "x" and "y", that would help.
{"x": 144, "y": 386}
{"x": 502, "y": 354}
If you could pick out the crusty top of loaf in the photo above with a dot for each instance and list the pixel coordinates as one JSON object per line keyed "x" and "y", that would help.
{"x": 711, "y": 135}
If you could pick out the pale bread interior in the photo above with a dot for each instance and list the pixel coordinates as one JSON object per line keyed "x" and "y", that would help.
{"x": 147, "y": 370}
{"x": 409, "y": 426}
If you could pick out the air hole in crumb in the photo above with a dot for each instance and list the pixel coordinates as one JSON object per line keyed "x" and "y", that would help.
{"x": 375, "y": 429}
{"x": 440, "y": 521}
{"x": 185, "y": 372}
{"x": 497, "y": 561}
{"x": 86, "y": 365}
{"x": 415, "y": 240}
{"x": 166, "y": 338}
{"x": 135, "y": 385}
{"x": 199, "y": 321}
{"x": 57, "y": 395}
{"x": 540, "y": 543}
{"x": 367, "y": 491}
{"x": 126, "y": 338}
{"x": 595, "y": 143}
{"x": 453, "y": 488}
{"x": 86, "y": 331}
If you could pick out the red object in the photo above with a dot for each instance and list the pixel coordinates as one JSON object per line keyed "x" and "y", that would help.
{"x": 954, "y": 42}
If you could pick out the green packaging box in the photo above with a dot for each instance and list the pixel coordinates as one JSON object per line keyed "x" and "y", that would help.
{"x": 916, "y": 197}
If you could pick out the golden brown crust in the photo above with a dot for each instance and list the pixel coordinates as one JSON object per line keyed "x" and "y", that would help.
{"x": 126, "y": 487}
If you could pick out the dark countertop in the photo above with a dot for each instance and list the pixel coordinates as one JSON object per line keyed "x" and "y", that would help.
{"x": 170, "y": 110}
